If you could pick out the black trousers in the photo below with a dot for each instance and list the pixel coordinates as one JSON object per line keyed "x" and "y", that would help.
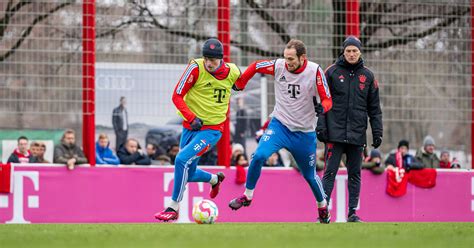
{"x": 120, "y": 138}
{"x": 333, "y": 154}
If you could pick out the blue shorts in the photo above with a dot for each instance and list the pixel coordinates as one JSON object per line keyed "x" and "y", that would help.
{"x": 300, "y": 144}
{"x": 192, "y": 145}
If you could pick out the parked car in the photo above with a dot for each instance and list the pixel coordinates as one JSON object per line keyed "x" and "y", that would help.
{"x": 166, "y": 135}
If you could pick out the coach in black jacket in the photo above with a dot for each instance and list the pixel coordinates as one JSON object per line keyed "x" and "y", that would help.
{"x": 355, "y": 96}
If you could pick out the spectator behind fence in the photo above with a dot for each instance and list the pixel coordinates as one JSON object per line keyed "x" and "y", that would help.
{"x": 373, "y": 162}
{"x": 426, "y": 154}
{"x": 34, "y": 149}
{"x": 154, "y": 151}
{"x": 172, "y": 152}
{"x": 237, "y": 149}
{"x": 40, "y": 151}
{"x": 68, "y": 152}
{"x": 157, "y": 155}
{"x": 406, "y": 162}
{"x": 120, "y": 123}
{"x": 240, "y": 160}
{"x": 132, "y": 154}
{"x": 274, "y": 160}
{"x": 446, "y": 163}
{"x": 151, "y": 151}
{"x": 103, "y": 153}
{"x": 455, "y": 164}
{"x": 21, "y": 154}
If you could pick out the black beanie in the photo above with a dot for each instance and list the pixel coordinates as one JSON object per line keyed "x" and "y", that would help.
{"x": 403, "y": 143}
{"x": 212, "y": 48}
{"x": 352, "y": 41}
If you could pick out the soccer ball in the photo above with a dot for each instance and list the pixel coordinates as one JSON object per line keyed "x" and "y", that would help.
{"x": 205, "y": 212}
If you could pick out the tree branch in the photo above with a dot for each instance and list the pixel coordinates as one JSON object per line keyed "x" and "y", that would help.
{"x": 373, "y": 19}
{"x": 120, "y": 27}
{"x": 255, "y": 50}
{"x": 275, "y": 26}
{"x": 20, "y": 5}
{"x": 411, "y": 19}
{"x": 9, "y": 13}
{"x": 200, "y": 37}
{"x": 412, "y": 37}
{"x": 28, "y": 30}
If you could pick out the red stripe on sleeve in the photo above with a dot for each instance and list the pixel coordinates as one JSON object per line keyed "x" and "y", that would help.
{"x": 190, "y": 78}
{"x": 259, "y": 66}
{"x": 323, "y": 90}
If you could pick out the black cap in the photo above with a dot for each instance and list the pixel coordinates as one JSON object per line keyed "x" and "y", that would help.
{"x": 212, "y": 48}
{"x": 403, "y": 143}
{"x": 352, "y": 41}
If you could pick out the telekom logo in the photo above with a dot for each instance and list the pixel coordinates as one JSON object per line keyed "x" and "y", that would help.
{"x": 18, "y": 194}
{"x": 184, "y": 209}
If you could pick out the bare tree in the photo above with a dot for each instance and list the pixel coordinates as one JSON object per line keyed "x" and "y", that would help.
{"x": 376, "y": 17}
{"x": 13, "y": 9}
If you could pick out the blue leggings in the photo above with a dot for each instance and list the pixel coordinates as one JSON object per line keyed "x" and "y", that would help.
{"x": 192, "y": 145}
{"x": 301, "y": 145}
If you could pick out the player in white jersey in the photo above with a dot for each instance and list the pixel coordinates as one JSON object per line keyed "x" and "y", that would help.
{"x": 298, "y": 85}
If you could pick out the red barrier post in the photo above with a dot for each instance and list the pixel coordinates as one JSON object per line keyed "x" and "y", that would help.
{"x": 352, "y": 18}
{"x": 88, "y": 80}
{"x": 223, "y": 34}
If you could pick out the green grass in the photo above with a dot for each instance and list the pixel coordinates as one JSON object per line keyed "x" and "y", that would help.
{"x": 223, "y": 235}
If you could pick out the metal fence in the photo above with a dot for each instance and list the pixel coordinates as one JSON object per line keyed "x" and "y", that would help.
{"x": 420, "y": 52}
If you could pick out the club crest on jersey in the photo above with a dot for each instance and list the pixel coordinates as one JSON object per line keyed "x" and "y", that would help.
{"x": 282, "y": 79}
{"x": 208, "y": 84}
{"x": 362, "y": 78}
{"x": 190, "y": 78}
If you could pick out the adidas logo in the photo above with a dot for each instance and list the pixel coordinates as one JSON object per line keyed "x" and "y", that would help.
{"x": 283, "y": 78}
{"x": 208, "y": 85}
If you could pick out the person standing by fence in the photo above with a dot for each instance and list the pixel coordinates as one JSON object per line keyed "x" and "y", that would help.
{"x": 355, "y": 94}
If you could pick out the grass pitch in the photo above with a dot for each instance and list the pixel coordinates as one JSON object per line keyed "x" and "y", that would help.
{"x": 242, "y": 235}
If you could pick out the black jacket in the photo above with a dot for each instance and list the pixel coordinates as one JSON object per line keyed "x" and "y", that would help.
{"x": 409, "y": 162}
{"x": 15, "y": 159}
{"x": 118, "y": 118}
{"x": 127, "y": 158}
{"x": 355, "y": 96}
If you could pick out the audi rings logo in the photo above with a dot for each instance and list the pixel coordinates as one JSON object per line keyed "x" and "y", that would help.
{"x": 115, "y": 82}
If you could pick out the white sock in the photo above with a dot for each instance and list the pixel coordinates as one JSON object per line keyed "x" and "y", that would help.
{"x": 214, "y": 179}
{"x": 249, "y": 193}
{"x": 174, "y": 205}
{"x": 322, "y": 204}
